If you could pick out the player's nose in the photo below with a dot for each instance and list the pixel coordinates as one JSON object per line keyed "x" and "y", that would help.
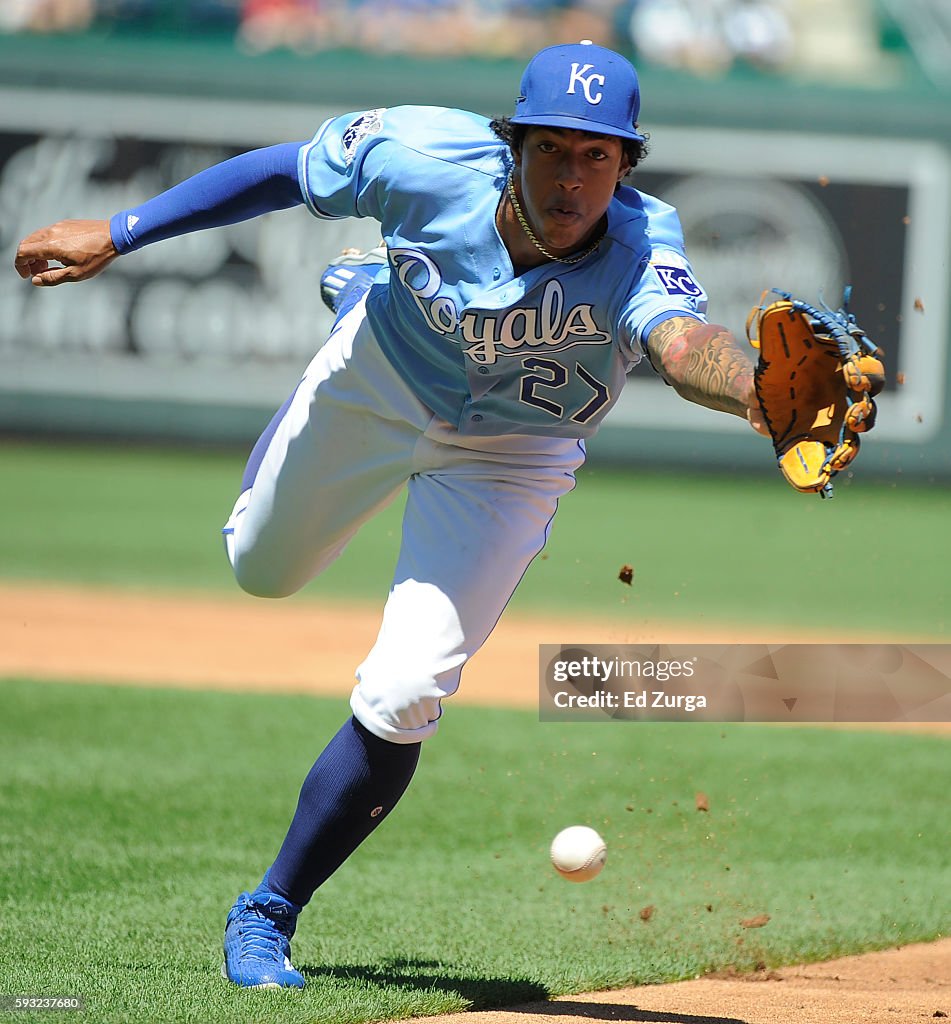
{"x": 568, "y": 173}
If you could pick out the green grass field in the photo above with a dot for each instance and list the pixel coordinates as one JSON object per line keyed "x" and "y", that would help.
{"x": 705, "y": 550}
{"x": 133, "y": 817}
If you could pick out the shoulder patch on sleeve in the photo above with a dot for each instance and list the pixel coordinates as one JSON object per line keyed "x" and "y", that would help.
{"x": 365, "y": 125}
{"x": 674, "y": 275}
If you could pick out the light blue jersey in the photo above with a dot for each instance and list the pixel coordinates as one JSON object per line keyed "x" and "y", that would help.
{"x": 491, "y": 352}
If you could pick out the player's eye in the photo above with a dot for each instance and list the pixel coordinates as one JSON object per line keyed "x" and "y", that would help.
{"x": 547, "y": 147}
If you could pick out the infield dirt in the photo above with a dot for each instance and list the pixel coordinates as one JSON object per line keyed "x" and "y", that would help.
{"x": 75, "y": 633}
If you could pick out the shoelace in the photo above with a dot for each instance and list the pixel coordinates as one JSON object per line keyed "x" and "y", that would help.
{"x": 262, "y": 938}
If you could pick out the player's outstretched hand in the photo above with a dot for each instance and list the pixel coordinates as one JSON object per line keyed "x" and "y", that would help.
{"x": 83, "y": 248}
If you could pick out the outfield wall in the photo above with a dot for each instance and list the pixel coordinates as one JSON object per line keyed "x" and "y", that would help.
{"x": 202, "y": 337}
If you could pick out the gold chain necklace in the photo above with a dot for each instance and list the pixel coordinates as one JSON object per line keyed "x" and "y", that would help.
{"x": 510, "y": 185}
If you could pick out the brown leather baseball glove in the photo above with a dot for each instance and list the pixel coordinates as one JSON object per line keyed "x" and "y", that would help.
{"x": 815, "y": 379}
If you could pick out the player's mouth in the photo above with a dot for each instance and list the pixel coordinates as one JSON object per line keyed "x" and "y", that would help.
{"x": 564, "y": 216}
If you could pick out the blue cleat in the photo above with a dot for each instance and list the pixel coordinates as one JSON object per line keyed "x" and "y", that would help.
{"x": 257, "y": 941}
{"x": 348, "y": 278}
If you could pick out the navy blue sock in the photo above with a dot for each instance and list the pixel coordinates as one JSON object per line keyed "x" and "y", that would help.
{"x": 353, "y": 785}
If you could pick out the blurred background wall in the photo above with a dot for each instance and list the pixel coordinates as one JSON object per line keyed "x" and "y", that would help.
{"x": 806, "y": 144}
{"x": 852, "y": 39}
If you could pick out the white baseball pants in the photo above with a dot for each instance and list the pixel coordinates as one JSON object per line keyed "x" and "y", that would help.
{"x": 478, "y": 511}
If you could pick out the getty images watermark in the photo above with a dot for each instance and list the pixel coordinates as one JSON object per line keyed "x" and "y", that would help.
{"x": 745, "y": 682}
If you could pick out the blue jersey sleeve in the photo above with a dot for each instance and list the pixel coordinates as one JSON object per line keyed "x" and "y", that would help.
{"x": 339, "y": 168}
{"x": 374, "y": 162}
{"x": 667, "y": 286}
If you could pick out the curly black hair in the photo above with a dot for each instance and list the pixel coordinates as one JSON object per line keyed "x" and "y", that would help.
{"x": 514, "y": 135}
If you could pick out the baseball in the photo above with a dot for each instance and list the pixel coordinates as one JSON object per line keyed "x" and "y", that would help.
{"x": 578, "y": 853}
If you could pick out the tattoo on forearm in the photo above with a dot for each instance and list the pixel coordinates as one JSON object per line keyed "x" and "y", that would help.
{"x": 703, "y": 362}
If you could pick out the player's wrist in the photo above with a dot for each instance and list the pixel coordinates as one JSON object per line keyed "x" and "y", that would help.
{"x": 120, "y": 232}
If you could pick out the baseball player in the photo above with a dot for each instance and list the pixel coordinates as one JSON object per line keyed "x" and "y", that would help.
{"x": 522, "y": 282}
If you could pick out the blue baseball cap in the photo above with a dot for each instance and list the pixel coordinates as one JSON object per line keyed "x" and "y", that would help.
{"x": 581, "y": 86}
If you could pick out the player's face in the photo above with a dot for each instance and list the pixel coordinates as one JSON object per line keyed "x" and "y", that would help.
{"x": 567, "y": 180}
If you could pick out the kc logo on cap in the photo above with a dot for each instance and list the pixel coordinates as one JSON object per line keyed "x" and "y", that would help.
{"x": 578, "y": 76}
{"x": 581, "y": 86}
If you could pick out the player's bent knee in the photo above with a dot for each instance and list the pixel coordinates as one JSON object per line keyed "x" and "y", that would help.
{"x": 256, "y": 570}
{"x": 258, "y": 576}
{"x": 262, "y": 574}
{"x": 260, "y": 585}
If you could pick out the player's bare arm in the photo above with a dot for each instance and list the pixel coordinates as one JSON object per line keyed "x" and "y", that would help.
{"x": 83, "y": 248}
{"x": 705, "y": 364}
